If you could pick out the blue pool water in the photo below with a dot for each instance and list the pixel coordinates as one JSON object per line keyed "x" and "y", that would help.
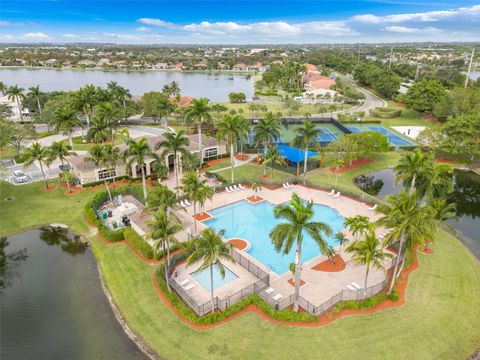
{"x": 253, "y": 222}
{"x": 203, "y": 277}
{"x": 393, "y": 138}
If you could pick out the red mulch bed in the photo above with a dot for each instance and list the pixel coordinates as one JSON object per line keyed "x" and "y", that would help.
{"x": 203, "y": 216}
{"x": 400, "y": 105}
{"x": 240, "y": 244}
{"x": 329, "y": 266}
{"x": 392, "y": 248}
{"x": 252, "y": 199}
{"x": 213, "y": 162}
{"x": 272, "y": 186}
{"x": 427, "y": 116}
{"x": 355, "y": 164}
{"x": 51, "y": 187}
{"x": 241, "y": 157}
{"x": 427, "y": 251}
{"x": 292, "y": 283}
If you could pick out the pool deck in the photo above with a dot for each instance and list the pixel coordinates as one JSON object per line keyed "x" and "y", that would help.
{"x": 319, "y": 286}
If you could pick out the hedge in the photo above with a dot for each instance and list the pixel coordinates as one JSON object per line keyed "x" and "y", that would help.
{"x": 385, "y": 113}
{"x": 186, "y": 311}
{"x": 216, "y": 176}
{"x": 138, "y": 243}
{"x": 367, "y": 304}
{"x": 95, "y": 183}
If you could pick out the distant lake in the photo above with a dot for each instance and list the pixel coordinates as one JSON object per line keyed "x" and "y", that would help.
{"x": 474, "y": 75}
{"x": 215, "y": 87}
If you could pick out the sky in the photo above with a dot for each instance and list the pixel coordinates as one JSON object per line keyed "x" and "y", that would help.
{"x": 238, "y": 22}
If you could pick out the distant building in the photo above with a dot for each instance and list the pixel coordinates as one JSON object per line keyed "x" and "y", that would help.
{"x": 239, "y": 67}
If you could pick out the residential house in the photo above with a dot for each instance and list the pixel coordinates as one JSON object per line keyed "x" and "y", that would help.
{"x": 239, "y": 67}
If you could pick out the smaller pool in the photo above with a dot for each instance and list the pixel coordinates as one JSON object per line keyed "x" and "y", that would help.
{"x": 203, "y": 277}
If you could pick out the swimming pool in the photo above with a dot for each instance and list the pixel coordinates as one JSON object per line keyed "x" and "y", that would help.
{"x": 392, "y": 138}
{"x": 254, "y": 222}
{"x": 203, "y": 277}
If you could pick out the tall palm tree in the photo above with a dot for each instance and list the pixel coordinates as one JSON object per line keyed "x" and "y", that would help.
{"x": 37, "y": 152}
{"x": 176, "y": 144}
{"x": 65, "y": 119}
{"x": 120, "y": 95}
{"x": 99, "y": 130}
{"x": 162, "y": 231}
{"x": 137, "y": 152}
{"x": 199, "y": 112}
{"x": 161, "y": 197}
{"x": 306, "y": 136}
{"x": 210, "y": 250}
{"x": 205, "y": 193}
{"x": 192, "y": 185}
{"x": 414, "y": 168}
{"x": 67, "y": 177}
{"x": 98, "y": 156}
{"x": 231, "y": 128}
{"x": 112, "y": 156}
{"x": 36, "y": 93}
{"x": 256, "y": 188}
{"x": 439, "y": 184}
{"x": 358, "y": 225}
{"x": 441, "y": 212}
{"x": 110, "y": 115}
{"x": 16, "y": 94}
{"x": 411, "y": 223}
{"x": 298, "y": 216}
{"x": 60, "y": 150}
{"x": 368, "y": 252}
{"x": 3, "y": 88}
{"x": 341, "y": 239}
{"x": 267, "y": 131}
{"x": 85, "y": 99}
{"x": 273, "y": 157}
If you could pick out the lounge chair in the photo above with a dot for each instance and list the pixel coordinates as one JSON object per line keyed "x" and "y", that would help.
{"x": 181, "y": 203}
{"x": 227, "y": 189}
{"x": 373, "y": 207}
{"x": 184, "y": 282}
{"x": 277, "y": 297}
{"x": 241, "y": 187}
{"x": 350, "y": 287}
{"x": 269, "y": 291}
{"x": 289, "y": 185}
{"x": 285, "y": 186}
{"x": 187, "y": 203}
{"x": 331, "y": 192}
{"x": 234, "y": 187}
{"x": 355, "y": 285}
{"x": 189, "y": 287}
{"x": 337, "y": 195}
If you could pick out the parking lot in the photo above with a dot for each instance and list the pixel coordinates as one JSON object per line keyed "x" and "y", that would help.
{"x": 32, "y": 172}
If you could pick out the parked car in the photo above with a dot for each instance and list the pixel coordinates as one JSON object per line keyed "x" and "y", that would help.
{"x": 65, "y": 167}
{"x": 19, "y": 176}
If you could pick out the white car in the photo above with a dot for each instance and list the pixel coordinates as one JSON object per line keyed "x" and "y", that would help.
{"x": 19, "y": 176}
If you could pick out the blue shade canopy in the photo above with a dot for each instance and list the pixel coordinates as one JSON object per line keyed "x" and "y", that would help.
{"x": 294, "y": 154}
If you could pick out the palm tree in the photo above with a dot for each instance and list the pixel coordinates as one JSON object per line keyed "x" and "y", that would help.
{"x": 410, "y": 222}
{"x": 341, "y": 239}
{"x": 137, "y": 152}
{"x": 298, "y": 216}
{"x": 414, "y": 168}
{"x": 60, "y": 150}
{"x": 358, "y": 225}
{"x": 230, "y": 128}
{"x": 368, "y": 252}
{"x": 273, "y": 157}
{"x": 112, "y": 156}
{"x": 256, "y": 188}
{"x": 441, "y": 211}
{"x": 439, "y": 182}
{"x": 65, "y": 119}
{"x": 85, "y": 99}
{"x": 205, "y": 193}
{"x": 199, "y": 112}
{"x": 192, "y": 186}
{"x": 36, "y": 93}
{"x": 3, "y": 88}
{"x": 209, "y": 248}
{"x": 16, "y": 94}
{"x": 176, "y": 144}
{"x": 37, "y": 152}
{"x": 267, "y": 131}
{"x": 110, "y": 115}
{"x": 99, "y": 131}
{"x": 330, "y": 253}
{"x": 306, "y": 136}
{"x": 98, "y": 156}
{"x": 161, "y": 197}
{"x": 162, "y": 231}
{"x": 67, "y": 177}
{"x": 338, "y": 163}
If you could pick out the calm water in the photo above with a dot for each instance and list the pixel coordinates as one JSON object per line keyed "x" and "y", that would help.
{"x": 216, "y": 87}
{"x": 203, "y": 277}
{"x": 55, "y": 307}
{"x": 466, "y": 196}
{"x": 253, "y": 222}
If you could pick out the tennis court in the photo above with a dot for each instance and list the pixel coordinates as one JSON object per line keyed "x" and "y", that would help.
{"x": 326, "y": 137}
{"x": 392, "y": 138}
{"x": 354, "y": 129}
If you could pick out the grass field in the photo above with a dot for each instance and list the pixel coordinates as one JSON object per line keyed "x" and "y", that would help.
{"x": 438, "y": 321}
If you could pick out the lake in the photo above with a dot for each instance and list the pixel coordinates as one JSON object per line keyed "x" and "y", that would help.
{"x": 466, "y": 196}
{"x": 54, "y": 307}
{"x": 215, "y": 87}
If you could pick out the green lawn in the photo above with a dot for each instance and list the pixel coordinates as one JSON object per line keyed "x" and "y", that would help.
{"x": 251, "y": 172}
{"x": 438, "y": 321}
{"x": 8, "y": 152}
{"x": 408, "y": 117}
{"x": 223, "y": 163}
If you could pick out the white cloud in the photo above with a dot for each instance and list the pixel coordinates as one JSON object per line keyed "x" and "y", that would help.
{"x": 5, "y": 23}
{"x": 153, "y": 22}
{"x": 69, "y": 36}
{"x": 38, "y": 36}
{"x": 143, "y": 29}
{"x": 428, "y": 16}
{"x": 410, "y": 30}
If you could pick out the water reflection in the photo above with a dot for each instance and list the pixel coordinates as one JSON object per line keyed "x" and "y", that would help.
{"x": 369, "y": 184}
{"x": 9, "y": 263}
{"x": 69, "y": 243}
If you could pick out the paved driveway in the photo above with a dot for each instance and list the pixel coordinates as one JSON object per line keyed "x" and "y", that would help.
{"x": 33, "y": 172}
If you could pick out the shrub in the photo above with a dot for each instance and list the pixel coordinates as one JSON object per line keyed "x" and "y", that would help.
{"x": 138, "y": 243}
{"x": 367, "y": 304}
{"x": 184, "y": 309}
{"x": 44, "y": 134}
{"x": 101, "y": 182}
{"x": 385, "y": 113}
